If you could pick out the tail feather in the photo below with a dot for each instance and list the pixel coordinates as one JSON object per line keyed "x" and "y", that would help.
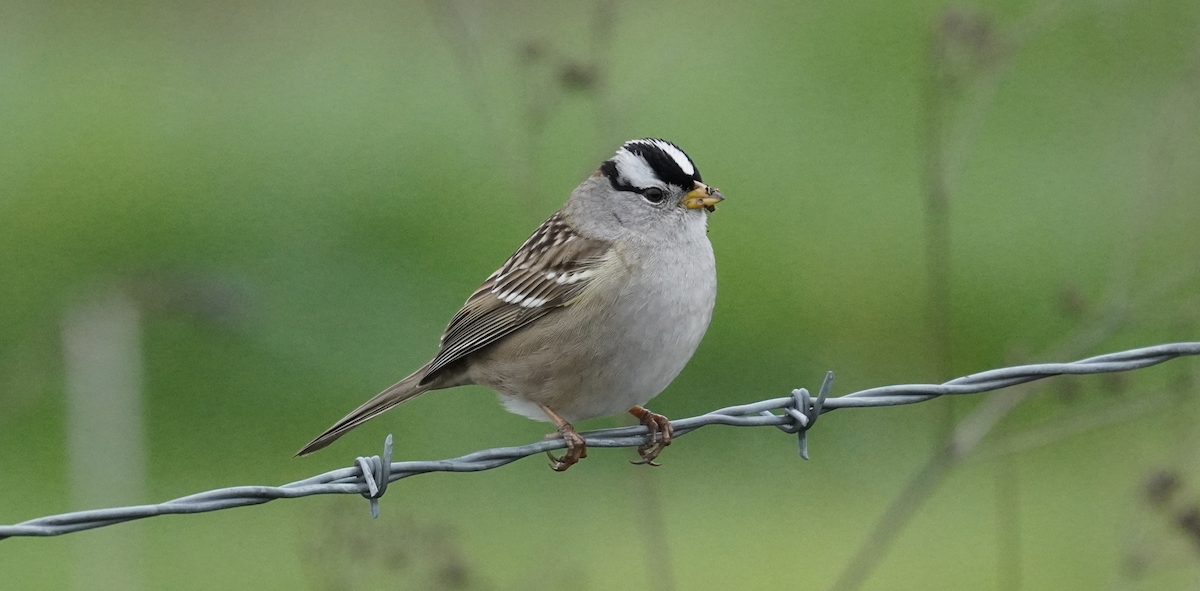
{"x": 401, "y": 391}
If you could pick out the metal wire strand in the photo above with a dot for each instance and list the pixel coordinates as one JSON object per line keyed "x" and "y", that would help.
{"x": 798, "y": 412}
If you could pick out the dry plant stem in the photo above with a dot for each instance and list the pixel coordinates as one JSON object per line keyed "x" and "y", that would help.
{"x": 450, "y": 22}
{"x": 956, "y": 101}
{"x": 1116, "y": 309}
{"x": 957, "y": 446}
{"x": 937, "y": 214}
{"x": 1176, "y": 122}
{"x": 1008, "y": 520}
{"x": 944, "y": 158}
{"x": 653, "y": 526}
{"x": 1043, "y": 435}
{"x": 537, "y": 104}
{"x": 603, "y": 40}
{"x": 1146, "y": 549}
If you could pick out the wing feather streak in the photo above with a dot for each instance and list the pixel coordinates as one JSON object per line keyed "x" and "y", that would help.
{"x": 550, "y": 269}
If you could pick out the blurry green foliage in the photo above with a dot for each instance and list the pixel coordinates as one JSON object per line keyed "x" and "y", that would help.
{"x": 302, "y": 193}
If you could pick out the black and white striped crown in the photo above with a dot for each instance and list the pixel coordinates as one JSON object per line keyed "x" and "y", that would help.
{"x": 651, "y": 162}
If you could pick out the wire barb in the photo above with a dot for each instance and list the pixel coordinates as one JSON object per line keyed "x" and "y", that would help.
{"x": 803, "y": 412}
{"x": 375, "y": 474}
{"x": 813, "y": 410}
{"x": 369, "y": 477}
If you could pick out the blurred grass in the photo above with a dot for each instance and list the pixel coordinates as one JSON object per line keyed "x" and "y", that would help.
{"x": 340, "y": 178}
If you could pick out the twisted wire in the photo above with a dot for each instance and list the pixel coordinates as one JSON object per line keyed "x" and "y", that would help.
{"x": 798, "y": 412}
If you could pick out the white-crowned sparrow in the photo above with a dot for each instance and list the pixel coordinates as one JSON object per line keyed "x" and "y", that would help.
{"x": 597, "y": 311}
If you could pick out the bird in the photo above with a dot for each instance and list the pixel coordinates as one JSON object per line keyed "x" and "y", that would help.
{"x": 594, "y": 315}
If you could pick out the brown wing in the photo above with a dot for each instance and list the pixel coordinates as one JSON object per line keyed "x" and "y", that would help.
{"x": 550, "y": 269}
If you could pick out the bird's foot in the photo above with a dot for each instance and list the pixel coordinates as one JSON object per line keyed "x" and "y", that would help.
{"x": 659, "y": 437}
{"x": 576, "y": 446}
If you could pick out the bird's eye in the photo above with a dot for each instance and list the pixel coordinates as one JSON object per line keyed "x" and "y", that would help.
{"x": 653, "y": 195}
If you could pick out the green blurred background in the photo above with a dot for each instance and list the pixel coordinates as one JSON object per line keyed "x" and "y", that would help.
{"x": 294, "y": 197}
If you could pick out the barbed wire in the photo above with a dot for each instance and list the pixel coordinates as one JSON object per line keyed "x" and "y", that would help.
{"x": 369, "y": 476}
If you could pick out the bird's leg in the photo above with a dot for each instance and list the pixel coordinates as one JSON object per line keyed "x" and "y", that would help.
{"x": 576, "y": 447}
{"x": 660, "y": 434}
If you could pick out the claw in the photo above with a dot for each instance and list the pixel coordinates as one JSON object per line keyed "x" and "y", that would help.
{"x": 576, "y": 450}
{"x": 659, "y": 437}
{"x": 576, "y": 446}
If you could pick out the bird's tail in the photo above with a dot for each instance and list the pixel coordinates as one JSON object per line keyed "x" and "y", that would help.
{"x": 401, "y": 391}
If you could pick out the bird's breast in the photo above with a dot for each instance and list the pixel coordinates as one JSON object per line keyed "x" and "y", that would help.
{"x": 618, "y": 345}
{"x": 653, "y": 327}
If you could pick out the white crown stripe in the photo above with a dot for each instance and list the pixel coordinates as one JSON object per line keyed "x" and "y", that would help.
{"x": 635, "y": 170}
{"x": 676, "y": 154}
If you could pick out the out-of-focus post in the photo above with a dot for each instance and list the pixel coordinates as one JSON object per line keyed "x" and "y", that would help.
{"x": 106, "y": 455}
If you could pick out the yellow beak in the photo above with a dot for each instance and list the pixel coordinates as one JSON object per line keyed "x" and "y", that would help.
{"x": 702, "y": 196}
